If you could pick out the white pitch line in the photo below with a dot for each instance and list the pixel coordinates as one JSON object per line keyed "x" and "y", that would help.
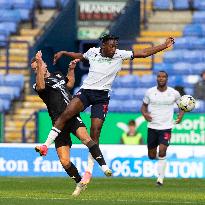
{"x": 105, "y": 200}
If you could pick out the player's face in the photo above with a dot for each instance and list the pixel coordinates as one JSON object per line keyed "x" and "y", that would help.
{"x": 109, "y": 48}
{"x": 34, "y": 66}
{"x": 162, "y": 79}
{"x": 132, "y": 128}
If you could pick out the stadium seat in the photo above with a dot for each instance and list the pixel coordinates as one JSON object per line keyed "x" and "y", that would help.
{"x": 131, "y": 105}
{"x": 194, "y": 56}
{"x": 139, "y": 93}
{"x": 173, "y": 56}
{"x": 161, "y": 4}
{"x": 162, "y": 66}
{"x": 198, "y": 68}
{"x": 5, "y": 4}
{"x": 3, "y": 40}
{"x": 181, "y": 4}
{"x": 189, "y": 91}
{"x": 147, "y": 81}
{"x": 10, "y": 16}
{"x": 182, "y": 68}
{"x": 199, "y": 107}
{"x": 199, "y": 4}
{"x": 198, "y": 17}
{"x": 25, "y": 14}
{"x": 115, "y": 106}
{"x": 128, "y": 81}
{"x": 48, "y": 4}
{"x": 4, "y": 105}
{"x": 9, "y": 27}
{"x": 23, "y": 4}
{"x": 14, "y": 80}
{"x": 193, "y": 30}
{"x": 123, "y": 94}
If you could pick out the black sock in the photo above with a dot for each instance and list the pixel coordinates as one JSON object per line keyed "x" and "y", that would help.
{"x": 73, "y": 172}
{"x": 97, "y": 154}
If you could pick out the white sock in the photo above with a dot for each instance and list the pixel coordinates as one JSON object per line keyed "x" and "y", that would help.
{"x": 104, "y": 168}
{"x": 90, "y": 164}
{"x": 52, "y": 136}
{"x": 162, "y": 162}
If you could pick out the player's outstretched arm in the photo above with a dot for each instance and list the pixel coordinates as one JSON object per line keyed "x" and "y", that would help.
{"x": 153, "y": 50}
{"x": 72, "y": 55}
{"x": 71, "y": 73}
{"x": 145, "y": 113}
{"x": 40, "y": 72}
{"x": 180, "y": 116}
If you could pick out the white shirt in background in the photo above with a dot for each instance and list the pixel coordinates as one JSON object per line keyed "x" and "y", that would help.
{"x": 161, "y": 107}
{"x": 103, "y": 70}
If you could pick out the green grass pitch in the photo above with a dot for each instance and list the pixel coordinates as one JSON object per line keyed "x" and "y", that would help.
{"x": 113, "y": 191}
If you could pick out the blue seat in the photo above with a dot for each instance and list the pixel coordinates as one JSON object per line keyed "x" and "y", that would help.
{"x": 181, "y": 4}
{"x": 199, "y": 4}
{"x": 194, "y": 56}
{"x": 48, "y": 4}
{"x": 3, "y": 40}
{"x": 173, "y": 56}
{"x": 193, "y": 30}
{"x": 25, "y": 14}
{"x": 162, "y": 66}
{"x": 123, "y": 94}
{"x": 161, "y": 4}
{"x": 8, "y": 27}
{"x": 14, "y": 80}
{"x": 10, "y": 16}
{"x": 189, "y": 91}
{"x": 4, "y": 105}
{"x": 115, "y": 106}
{"x": 199, "y": 107}
{"x": 131, "y": 105}
{"x": 139, "y": 93}
{"x": 23, "y": 4}
{"x": 5, "y": 4}
{"x": 198, "y": 17}
{"x": 147, "y": 81}
{"x": 182, "y": 68}
{"x": 197, "y": 68}
{"x": 128, "y": 81}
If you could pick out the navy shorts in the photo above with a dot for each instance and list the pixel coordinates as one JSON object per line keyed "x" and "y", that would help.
{"x": 157, "y": 137}
{"x": 71, "y": 126}
{"x": 98, "y": 99}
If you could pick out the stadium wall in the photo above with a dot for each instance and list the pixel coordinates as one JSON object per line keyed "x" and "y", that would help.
{"x": 59, "y": 35}
{"x": 124, "y": 160}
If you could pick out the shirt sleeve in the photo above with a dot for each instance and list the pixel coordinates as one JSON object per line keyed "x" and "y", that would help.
{"x": 87, "y": 54}
{"x": 126, "y": 55}
{"x": 146, "y": 98}
{"x": 177, "y": 97}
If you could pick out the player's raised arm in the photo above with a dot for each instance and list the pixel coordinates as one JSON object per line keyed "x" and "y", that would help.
{"x": 71, "y": 73}
{"x": 153, "y": 50}
{"x": 72, "y": 55}
{"x": 40, "y": 72}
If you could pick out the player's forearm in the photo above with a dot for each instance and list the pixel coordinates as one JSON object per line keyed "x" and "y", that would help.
{"x": 73, "y": 55}
{"x": 71, "y": 79}
{"x": 40, "y": 81}
{"x": 181, "y": 113}
{"x": 144, "y": 110}
{"x": 149, "y": 51}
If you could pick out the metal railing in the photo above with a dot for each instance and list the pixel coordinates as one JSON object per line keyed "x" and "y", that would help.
{"x": 5, "y": 51}
{"x": 28, "y": 133}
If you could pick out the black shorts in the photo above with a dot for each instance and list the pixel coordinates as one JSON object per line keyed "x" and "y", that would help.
{"x": 157, "y": 137}
{"x": 71, "y": 126}
{"x": 98, "y": 99}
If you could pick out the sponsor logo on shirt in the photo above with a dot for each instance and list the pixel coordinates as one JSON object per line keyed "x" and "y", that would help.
{"x": 58, "y": 85}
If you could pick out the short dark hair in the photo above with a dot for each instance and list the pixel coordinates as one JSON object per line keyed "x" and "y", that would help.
{"x": 107, "y": 37}
{"x": 132, "y": 123}
{"x": 162, "y": 71}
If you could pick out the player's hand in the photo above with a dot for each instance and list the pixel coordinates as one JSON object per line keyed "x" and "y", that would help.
{"x": 73, "y": 63}
{"x": 57, "y": 56}
{"x": 39, "y": 59}
{"x": 178, "y": 120}
{"x": 147, "y": 117}
{"x": 169, "y": 42}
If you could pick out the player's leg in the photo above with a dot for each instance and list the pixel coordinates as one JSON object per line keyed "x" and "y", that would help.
{"x": 76, "y": 105}
{"x": 63, "y": 144}
{"x": 152, "y": 144}
{"x": 78, "y": 128}
{"x": 98, "y": 114}
{"x": 164, "y": 138}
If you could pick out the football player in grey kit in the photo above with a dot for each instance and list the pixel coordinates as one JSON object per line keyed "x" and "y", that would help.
{"x": 105, "y": 62}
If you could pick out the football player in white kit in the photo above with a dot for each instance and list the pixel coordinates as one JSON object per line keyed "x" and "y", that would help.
{"x": 158, "y": 110}
{"x": 105, "y": 62}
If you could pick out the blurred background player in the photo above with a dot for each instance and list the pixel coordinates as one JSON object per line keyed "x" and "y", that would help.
{"x": 131, "y": 137}
{"x": 54, "y": 88}
{"x": 105, "y": 62}
{"x": 199, "y": 88}
{"x": 158, "y": 110}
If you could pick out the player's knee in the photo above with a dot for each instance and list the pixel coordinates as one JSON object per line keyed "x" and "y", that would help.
{"x": 95, "y": 130}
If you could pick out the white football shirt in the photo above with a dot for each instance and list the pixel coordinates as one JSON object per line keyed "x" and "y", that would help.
{"x": 103, "y": 70}
{"x": 161, "y": 107}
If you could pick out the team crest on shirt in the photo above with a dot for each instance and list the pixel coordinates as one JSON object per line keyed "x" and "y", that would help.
{"x": 58, "y": 75}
